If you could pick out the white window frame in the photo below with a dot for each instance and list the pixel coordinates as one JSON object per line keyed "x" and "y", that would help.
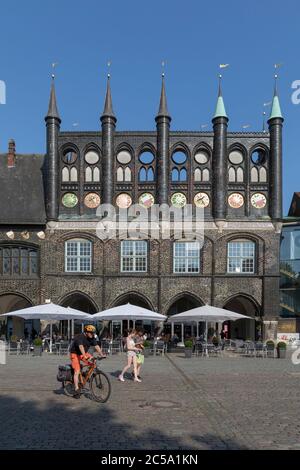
{"x": 186, "y": 258}
{"x": 78, "y": 257}
{"x": 241, "y": 258}
{"x": 134, "y": 257}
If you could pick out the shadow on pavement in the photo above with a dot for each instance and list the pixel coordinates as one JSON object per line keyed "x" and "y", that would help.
{"x": 61, "y": 425}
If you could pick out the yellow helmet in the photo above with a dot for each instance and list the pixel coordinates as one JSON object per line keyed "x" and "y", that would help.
{"x": 90, "y": 328}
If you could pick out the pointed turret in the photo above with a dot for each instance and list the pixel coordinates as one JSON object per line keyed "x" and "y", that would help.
{"x": 108, "y": 107}
{"x": 108, "y": 123}
{"x": 220, "y": 123}
{"x": 163, "y": 107}
{"x": 220, "y": 108}
{"x": 52, "y": 130}
{"x": 275, "y": 181}
{"x": 276, "y": 110}
{"x": 163, "y": 120}
{"x": 52, "y": 109}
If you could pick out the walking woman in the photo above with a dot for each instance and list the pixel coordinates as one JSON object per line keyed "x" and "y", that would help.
{"x": 131, "y": 356}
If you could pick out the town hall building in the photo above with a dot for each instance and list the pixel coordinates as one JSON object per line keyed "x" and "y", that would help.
{"x": 49, "y": 248}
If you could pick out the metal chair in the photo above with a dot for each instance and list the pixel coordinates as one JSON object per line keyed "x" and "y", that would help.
{"x": 116, "y": 346}
{"x": 106, "y": 347}
{"x": 159, "y": 348}
{"x": 13, "y": 347}
{"x": 259, "y": 349}
{"x": 24, "y": 347}
{"x": 64, "y": 347}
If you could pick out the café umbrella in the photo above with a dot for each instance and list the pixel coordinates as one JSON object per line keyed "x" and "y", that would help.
{"x": 51, "y": 312}
{"x": 206, "y": 313}
{"x": 128, "y": 312}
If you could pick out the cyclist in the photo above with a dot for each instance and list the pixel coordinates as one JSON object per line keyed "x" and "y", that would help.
{"x": 79, "y": 352}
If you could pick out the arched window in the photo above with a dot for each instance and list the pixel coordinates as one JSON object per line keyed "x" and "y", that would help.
{"x": 262, "y": 175}
{"x": 183, "y": 175}
{"x": 197, "y": 174}
{"x": 205, "y": 174}
{"x": 241, "y": 257}
{"x": 96, "y": 175}
{"x": 127, "y": 174}
{"x": 88, "y": 174}
{"x": 254, "y": 175}
{"x": 18, "y": 261}
{"x": 120, "y": 174}
{"x": 150, "y": 174}
{"x": 231, "y": 175}
{"x": 65, "y": 176}
{"x": 142, "y": 175}
{"x": 175, "y": 175}
{"x": 73, "y": 174}
{"x": 78, "y": 255}
{"x": 239, "y": 175}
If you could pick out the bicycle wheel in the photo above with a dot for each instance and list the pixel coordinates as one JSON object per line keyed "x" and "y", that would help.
{"x": 69, "y": 388}
{"x": 100, "y": 386}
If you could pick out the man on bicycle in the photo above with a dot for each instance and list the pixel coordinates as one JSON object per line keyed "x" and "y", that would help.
{"x": 79, "y": 352}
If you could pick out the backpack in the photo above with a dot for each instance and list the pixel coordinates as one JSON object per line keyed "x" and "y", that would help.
{"x": 65, "y": 373}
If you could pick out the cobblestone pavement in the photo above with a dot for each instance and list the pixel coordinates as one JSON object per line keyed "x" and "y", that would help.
{"x": 199, "y": 403}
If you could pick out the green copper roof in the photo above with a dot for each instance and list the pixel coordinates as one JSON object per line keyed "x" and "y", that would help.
{"x": 220, "y": 109}
{"x": 275, "y": 111}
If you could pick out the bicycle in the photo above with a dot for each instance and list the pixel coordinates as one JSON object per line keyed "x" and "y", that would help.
{"x": 99, "y": 382}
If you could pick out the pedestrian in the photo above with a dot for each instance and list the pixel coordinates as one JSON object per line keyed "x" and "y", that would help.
{"x": 139, "y": 343}
{"x": 131, "y": 356}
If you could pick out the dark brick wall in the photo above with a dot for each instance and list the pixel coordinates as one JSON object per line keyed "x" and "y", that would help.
{"x": 159, "y": 286}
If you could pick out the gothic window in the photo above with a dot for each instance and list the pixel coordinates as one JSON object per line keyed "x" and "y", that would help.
{"x": 239, "y": 175}
{"x": 65, "y": 175}
{"x": 88, "y": 174}
{"x": 91, "y": 157}
{"x": 146, "y": 174}
{"x": 18, "y": 261}
{"x": 78, "y": 256}
{"x": 127, "y": 174}
{"x": 241, "y": 257}
{"x": 197, "y": 174}
{"x": 231, "y": 175}
{"x": 73, "y": 174}
{"x": 96, "y": 175}
{"x": 175, "y": 175}
{"x": 254, "y": 175}
{"x": 178, "y": 172}
{"x": 236, "y": 157}
{"x": 150, "y": 174}
{"x": 205, "y": 174}
{"x": 262, "y": 175}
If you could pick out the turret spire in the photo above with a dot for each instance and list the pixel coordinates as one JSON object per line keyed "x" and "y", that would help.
{"x": 275, "y": 110}
{"x": 163, "y": 107}
{"x": 220, "y": 108}
{"x": 52, "y": 110}
{"x": 108, "y": 107}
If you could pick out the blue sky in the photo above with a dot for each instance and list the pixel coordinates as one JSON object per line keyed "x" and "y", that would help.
{"x": 192, "y": 36}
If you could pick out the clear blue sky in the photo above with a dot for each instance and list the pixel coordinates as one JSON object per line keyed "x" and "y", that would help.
{"x": 192, "y": 36}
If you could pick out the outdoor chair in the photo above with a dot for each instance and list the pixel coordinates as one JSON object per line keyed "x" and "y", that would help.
{"x": 106, "y": 347}
{"x": 199, "y": 348}
{"x": 270, "y": 350}
{"x": 13, "y": 347}
{"x": 259, "y": 349}
{"x": 116, "y": 346}
{"x": 24, "y": 347}
{"x": 250, "y": 348}
{"x": 159, "y": 348}
{"x": 64, "y": 347}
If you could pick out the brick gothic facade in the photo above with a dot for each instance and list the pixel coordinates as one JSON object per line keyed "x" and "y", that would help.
{"x": 44, "y": 204}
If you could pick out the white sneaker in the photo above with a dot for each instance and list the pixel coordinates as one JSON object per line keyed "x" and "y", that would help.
{"x": 121, "y": 378}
